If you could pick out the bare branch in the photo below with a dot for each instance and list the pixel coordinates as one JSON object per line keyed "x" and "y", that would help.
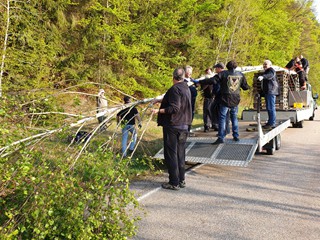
{"x": 3, "y": 5}
{"x": 65, "y": 91}
{"x": 3, "y": 149}
{"x": 62, "y": 113}
{"x": 142, "y": 134}
{"x": 108, "y": 112}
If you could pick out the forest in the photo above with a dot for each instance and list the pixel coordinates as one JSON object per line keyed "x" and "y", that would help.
{"x": 56, "y": 54}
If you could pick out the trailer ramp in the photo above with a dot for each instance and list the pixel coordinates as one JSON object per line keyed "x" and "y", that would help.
{"x": 231, "y": 153}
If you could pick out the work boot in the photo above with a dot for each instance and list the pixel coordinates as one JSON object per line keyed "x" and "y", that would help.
{"x": 169, "y": 186}
{"x": 182, "y": 184}
{"x": 218, "y": 141}
{"x": 268, "y": 127}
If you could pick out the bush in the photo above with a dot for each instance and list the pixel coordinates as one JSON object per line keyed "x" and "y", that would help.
{"x": 43, "y": 198}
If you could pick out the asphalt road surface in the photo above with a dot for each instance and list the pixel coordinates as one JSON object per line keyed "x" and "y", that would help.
{"x": 275, "y": 197}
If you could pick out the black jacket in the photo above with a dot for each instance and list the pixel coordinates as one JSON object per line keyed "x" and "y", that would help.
{"x": 270, "y": 83}
{"x": 230, "y": 83}
{"x": 305, "y": 63}
{"x": 177, "y": 105}
{"x": 206, "y": 91}
{"x": 212, "y": 83}
{"x": 128, "y": 115}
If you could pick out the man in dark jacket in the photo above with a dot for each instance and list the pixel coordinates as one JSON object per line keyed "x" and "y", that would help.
{"x": 270, "y": 88}
{"x": 193, "y": 89}
{"x": 301, "y": 67}
{"x": 305, "y": 64}
{"x": 207, "y": 101}
{"x": 230, "y": 83}
{"x": 175, "y": 115}
{"x": 213, "y": 82}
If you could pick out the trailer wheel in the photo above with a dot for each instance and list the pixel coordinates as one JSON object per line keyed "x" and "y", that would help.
{"x": 297, "y": 124}
{"x": 278, "y": 142}
{"x": 271, "y": 148}
{"x": 312, "y": 117}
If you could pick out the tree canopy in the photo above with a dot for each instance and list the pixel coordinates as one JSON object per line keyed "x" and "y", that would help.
{"x": 135, "y": 45}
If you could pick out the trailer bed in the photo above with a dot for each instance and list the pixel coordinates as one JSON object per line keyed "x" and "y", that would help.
{"x": 200, "y": 149}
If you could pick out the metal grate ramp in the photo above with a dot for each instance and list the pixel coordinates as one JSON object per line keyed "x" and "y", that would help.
{"x": 231, "y": 153}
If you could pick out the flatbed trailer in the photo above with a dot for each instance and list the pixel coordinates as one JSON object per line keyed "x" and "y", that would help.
{"x": 293, "y": 107}
{"x": 304, "y": 109}
{"x": 253, "y": 138}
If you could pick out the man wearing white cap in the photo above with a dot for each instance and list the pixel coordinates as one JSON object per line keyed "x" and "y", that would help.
{"x": 102, "y": 104}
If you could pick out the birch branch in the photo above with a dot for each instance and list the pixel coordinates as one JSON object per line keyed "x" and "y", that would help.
{"x": 61, "y": 113}
{"x": 232, "y": 36}
{"x": 27, "y": 139}
{"x": 219, "y": 46}
{"x": 108, "y": 112}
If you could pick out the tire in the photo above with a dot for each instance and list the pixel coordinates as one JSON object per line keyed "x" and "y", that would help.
{"x": 300, "y": 124}
{"x": 297, "y": 124}
{"x": 312, "y": 117}
{"x": 272, "y": 147}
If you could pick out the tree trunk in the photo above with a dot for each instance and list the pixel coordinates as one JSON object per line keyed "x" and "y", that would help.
{"x": 4, "y": 45}
{"x": 231, "y": 38}
{"x": 222, "y": 37}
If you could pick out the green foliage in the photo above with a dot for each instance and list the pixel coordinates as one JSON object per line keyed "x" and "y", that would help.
{"x": 42, "y": 198}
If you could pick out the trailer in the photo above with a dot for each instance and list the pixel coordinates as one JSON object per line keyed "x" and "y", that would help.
{"x": 293, "y": 107}
{"x": 292, "y": 103}
{"x": 253, "y": 139}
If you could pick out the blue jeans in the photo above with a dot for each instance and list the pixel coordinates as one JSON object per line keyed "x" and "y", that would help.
{"x": 271, "y": 109}
{"x": 223, "y": 120}
{"x": 125, "y": 135}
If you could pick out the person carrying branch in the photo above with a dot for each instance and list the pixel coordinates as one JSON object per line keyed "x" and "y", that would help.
{"x": 128, "y": 117}
{"x": 102, "y": 104}
{"x": 175, "y": 116}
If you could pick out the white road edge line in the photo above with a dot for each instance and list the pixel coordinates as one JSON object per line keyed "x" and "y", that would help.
{"x": 158, "y": 188}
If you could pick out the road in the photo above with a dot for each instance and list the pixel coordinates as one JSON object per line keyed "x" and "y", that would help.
{"x": 275, "y": 197}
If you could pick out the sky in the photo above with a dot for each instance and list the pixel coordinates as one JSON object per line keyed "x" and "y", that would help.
{"x": 316, "y": 4}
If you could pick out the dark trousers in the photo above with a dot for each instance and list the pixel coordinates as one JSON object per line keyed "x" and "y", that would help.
{"x": 206, "y": 112}
{"x": 100, "y": 120}
{"x": 174, "y": 143}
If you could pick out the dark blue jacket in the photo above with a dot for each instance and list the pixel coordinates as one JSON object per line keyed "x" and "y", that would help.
{"x": 270, "y": 83}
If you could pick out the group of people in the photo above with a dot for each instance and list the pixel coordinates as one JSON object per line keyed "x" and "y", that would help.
{"x": 270, "y": 84}
{"x": 226, "y": 86}
{"x": 301, "y": 66}
{"x": 176, "y": 113}
{"x": 177, "y": 109}
{"x": 208, "y": 91}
